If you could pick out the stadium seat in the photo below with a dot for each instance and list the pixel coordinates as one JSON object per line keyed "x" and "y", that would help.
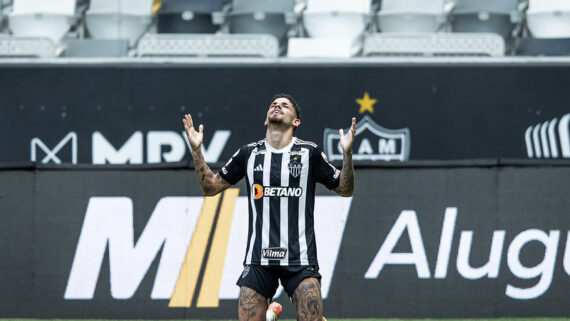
{"x": 183, "y": 16}
{"x": 336, "y": 18}
{"x": 334, "y": 27}
{"x": 549, "y": 18}
{"x": 262, "y": 17}
{"x": 485, "y": 16}
{"x": 543, "y": 47}
{"x": 96, "y": 48}
{"x": 411, "y": 16}
{"x": 119, "y": 19}
{"x": 42, "y": 18}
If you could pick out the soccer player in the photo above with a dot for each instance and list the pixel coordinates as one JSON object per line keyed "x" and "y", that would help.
{"x": 281, "y": 173}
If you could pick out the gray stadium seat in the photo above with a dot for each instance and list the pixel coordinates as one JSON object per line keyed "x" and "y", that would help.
{"x": 271, "y": 6}
{"x": 543, "y": 47}
{"x": 96, "y": 48}
{"x": 411, "y": 16}
{"x": 549, "y": 24}
{"x": 262, "y": 17}
{"x": 118, "y": 19}
{"x": 42, "y": 18}
{"x": 485, "y": 16}
{"x": 549, "y": 18}
{"x": 334, "y": 27}
{"x": 189, "y": 16}
{"x": 336, "y": 18}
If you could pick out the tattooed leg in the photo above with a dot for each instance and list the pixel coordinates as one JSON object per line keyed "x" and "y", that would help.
{"x": 307, "y": 300}
{"x": 251, "y": 305}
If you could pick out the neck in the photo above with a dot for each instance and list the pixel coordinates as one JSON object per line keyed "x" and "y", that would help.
{"x": 278, "y": 137}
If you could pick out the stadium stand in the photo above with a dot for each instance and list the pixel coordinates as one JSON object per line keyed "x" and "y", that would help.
{"x": 415, "y": 28}
{"x": 262, "y": 17}
{"x": 548, "y": 22}
{"x": 486, "y": 16}
{"x": 301, "y": 28}
{"x": 334, "y": 27}
{"x": 192, "y": 42}
{"x": 183, "y": 16}
{"x": 50, "y": 19}
{"x": 119, "y": 19}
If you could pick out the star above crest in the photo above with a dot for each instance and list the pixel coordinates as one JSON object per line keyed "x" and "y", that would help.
{"x": 366, "y": 103}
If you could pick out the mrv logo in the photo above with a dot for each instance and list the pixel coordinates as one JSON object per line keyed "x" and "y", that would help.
{"x": 544, "y": 270}
{"x": 371, "y": 142}
{"x": 183, "y": 231}
{"x": 161, "y": 146}
{"x": 549, "y": 139}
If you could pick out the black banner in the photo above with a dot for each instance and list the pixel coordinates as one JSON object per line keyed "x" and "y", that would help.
{"x": 100, "y": 114}
{"x": 412, "y": 242}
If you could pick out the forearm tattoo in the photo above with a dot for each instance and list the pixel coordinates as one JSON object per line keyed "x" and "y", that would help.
{"x": 307, "y": 300}
{"x": 346, "y": 184}
{"x": 206, "y": 177}
{"x": 251, "y": 305}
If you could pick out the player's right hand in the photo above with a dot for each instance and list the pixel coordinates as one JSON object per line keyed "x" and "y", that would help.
{"x": 195, "y": 138}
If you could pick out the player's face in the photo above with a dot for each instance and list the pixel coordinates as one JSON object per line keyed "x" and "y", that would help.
{"x": 281, "y": 111}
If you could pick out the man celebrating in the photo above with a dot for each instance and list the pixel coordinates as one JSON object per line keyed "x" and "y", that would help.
{"x": 281, "y": 173}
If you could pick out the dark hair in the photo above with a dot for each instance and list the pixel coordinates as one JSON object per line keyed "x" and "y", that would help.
{"x": 293, "y": 102}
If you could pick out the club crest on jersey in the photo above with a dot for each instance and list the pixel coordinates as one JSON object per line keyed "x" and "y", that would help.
{"x": 279, "y": 191}
{"x": 295, "y": 167}
{"x": 274, "y": 253}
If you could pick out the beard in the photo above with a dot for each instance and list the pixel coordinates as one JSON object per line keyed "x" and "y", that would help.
{"x": 274, "y": 120}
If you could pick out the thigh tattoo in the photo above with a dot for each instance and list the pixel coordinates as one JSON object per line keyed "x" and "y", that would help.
{"x": 251, "y": 304}
{"x": 307, "y": 300}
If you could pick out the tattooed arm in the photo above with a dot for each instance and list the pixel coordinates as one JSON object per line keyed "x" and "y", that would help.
{"x": 210, "y": 183}
{"x": 346, "y": 184}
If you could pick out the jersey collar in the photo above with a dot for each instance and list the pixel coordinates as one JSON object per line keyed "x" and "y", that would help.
{"x": 282, "y": 150}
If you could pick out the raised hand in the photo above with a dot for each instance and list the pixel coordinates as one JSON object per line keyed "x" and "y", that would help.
{"x": 347, "y": 140}
{"x": 195, "y": 138}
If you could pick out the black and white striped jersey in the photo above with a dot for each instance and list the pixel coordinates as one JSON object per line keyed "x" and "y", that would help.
{"x": 281, "y": 192}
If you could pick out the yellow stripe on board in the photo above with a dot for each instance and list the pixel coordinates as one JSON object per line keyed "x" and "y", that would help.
{"x": 208, "y": 297}
{"x": 188, "y": 277}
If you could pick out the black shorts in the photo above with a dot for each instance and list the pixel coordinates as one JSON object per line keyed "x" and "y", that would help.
{"x": 263, "y": 279}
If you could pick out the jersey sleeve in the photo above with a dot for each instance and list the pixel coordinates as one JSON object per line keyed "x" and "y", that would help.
{"x": 325, "y": 173}
{"x": 234, "y": 170}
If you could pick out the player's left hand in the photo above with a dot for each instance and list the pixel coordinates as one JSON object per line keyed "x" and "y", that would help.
{"x": 347, "y": 140}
